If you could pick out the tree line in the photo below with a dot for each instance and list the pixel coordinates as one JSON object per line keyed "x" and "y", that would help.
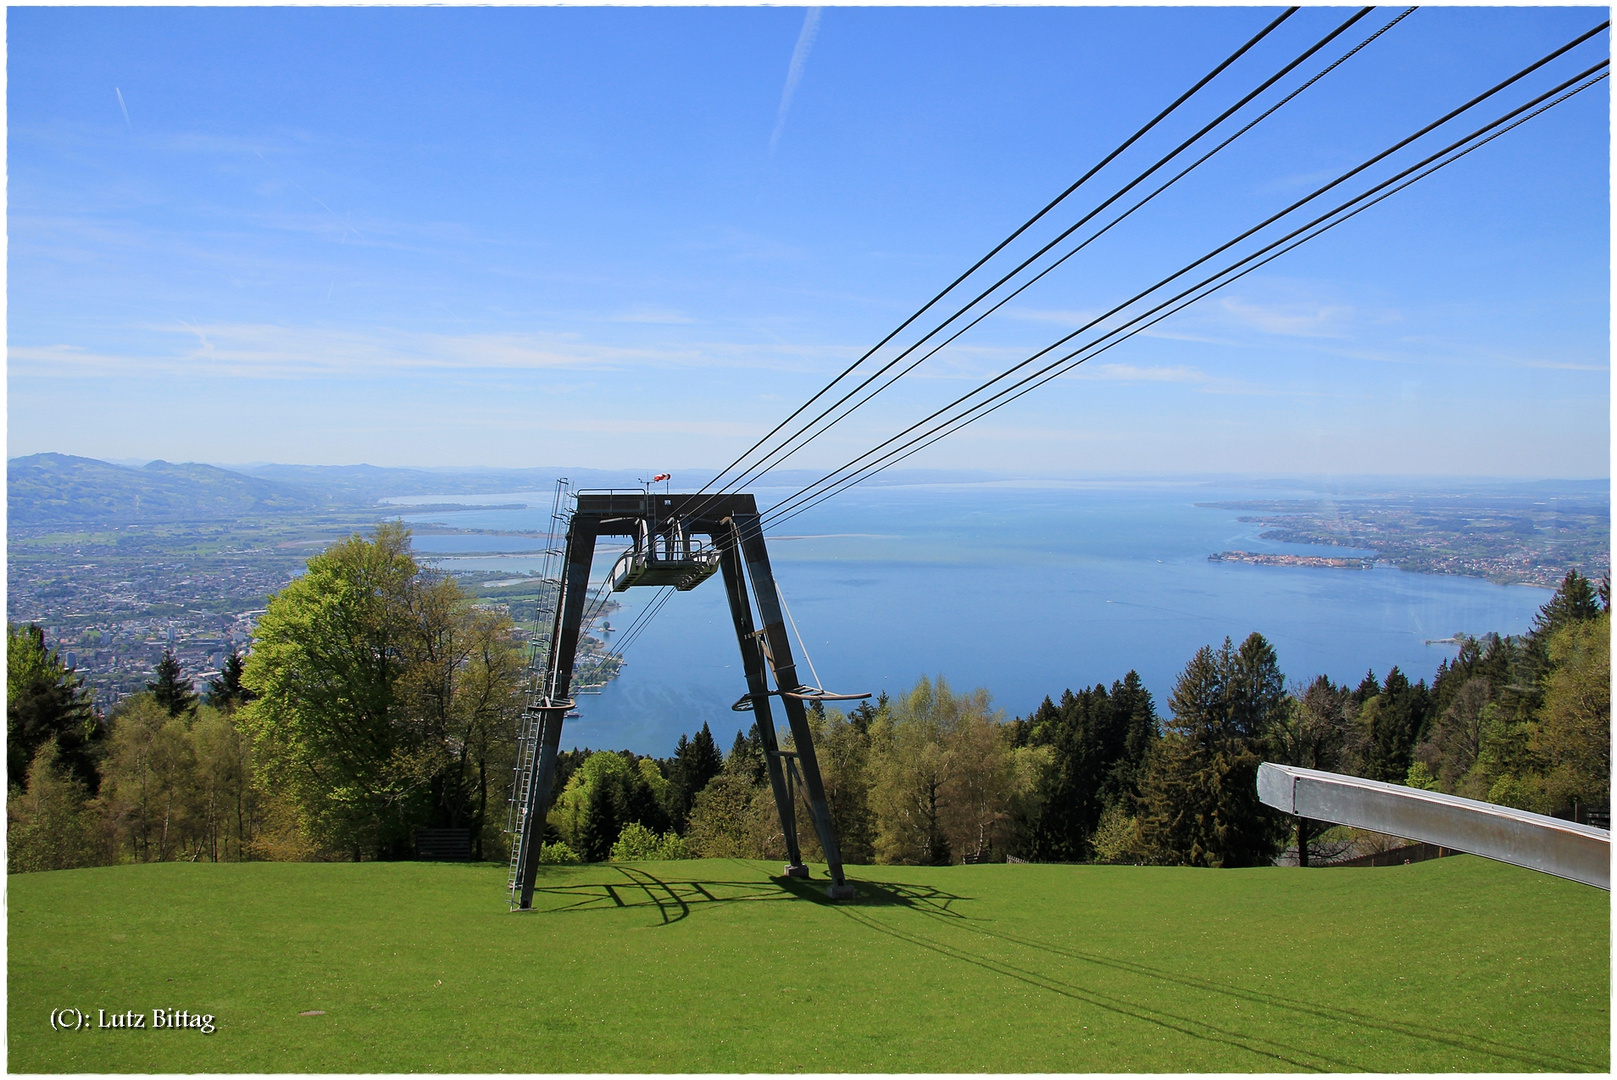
{"x": 378, "y": 700}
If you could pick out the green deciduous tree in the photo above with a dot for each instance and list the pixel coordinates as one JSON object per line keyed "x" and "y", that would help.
{"x": 941, "y": 776}
{"x": 150, "y": 785}
{"x": 51, "y": 821}
{"x": 734, "y": 819}
{"x": 385, "y": 701}
{"x": 1571, "y": 738}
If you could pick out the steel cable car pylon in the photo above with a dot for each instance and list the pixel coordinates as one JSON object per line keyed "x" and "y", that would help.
{"x": 666, "y": 551}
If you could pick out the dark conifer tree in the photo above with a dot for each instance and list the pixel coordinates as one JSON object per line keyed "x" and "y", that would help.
{"x": 696, "y": 761}
{"x": 225, "y": 690}
{"x": 172, "y": 690}
{"x": 747, "y": 757}
{"x": 1199, "y": 795}
{"x": 602, "y": 823}
{"x": 1393, "y": 727}
{"x": 1575, "y": 600}
{"x": 46, "y": 700}
{"x": 861, "y": 716}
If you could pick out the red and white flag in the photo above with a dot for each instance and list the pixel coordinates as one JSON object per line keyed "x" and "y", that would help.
{"x": 660, "y": 477}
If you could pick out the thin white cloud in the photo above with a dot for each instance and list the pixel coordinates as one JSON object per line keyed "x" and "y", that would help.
{"x": 1135, "y": 373}
{"x": 1058, "y": 317}
{"x": 660, "y": 316}
{"x": 794, "y": 72}
{"x": 123, "y": 108}
{"x": 1293, "y": 320}
{"x": 264, "y": 351}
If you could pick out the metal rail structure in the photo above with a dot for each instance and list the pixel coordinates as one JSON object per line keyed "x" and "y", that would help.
{"x": 665, "y": 531}
{"x": 1563, "y": 848}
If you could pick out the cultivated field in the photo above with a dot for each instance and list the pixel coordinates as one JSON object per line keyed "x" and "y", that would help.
{"x": 715, "y": 966}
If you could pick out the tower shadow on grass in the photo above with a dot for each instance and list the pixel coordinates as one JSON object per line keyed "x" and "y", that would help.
{"x": 677, "y": 900}
{"x": 927, "y": 898}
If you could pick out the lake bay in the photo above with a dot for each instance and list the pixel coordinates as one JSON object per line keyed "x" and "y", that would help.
{"x": 1023, "y": 590}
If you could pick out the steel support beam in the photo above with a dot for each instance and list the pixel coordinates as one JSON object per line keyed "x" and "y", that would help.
{"x": 573, "y": 590}
{"x": 756, "y": 557}
{"x": 753, "y": 665}
{"x": 1563, "y": 848}
{"x": 732, "y": 522}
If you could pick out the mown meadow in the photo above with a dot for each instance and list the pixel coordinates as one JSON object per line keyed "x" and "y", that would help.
{"x": 717, "y": 965}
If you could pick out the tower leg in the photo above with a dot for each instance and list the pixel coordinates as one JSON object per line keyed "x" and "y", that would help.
{"x": 756, "y": 557}
{"x": 573, "y": 592}
{"x": 752, "y": 663}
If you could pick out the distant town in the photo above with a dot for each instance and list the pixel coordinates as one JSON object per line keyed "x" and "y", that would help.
{"x": 1509, "y": 537}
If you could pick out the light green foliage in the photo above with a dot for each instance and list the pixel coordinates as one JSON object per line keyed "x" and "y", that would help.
{"x": 384, "y": 699}
{"x": 843, "y": 751}
{"x": 720, "y": 967}
{"x": 653, "y": 778}
{"x": 638, "y": 843}
{"x": 1421, "y": 777}
{"x": 733, "y": 819}
{"x": 942, "y": 775}
{"x": 149, "y": 781}
{"x": 601, "y": 772}
{"x": 558, "y": 855}
{"x": 329, "y": 653}
{"x": 49, "y": 825}
{"x": 1572, "y": 737}
{"x": 1118, "y": 838}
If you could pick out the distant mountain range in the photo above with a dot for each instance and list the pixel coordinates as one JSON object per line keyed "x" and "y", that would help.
{"x": 59, "y": 489}
{"x": 51, "y": 489}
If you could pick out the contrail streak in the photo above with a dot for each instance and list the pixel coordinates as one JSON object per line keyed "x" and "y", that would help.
{"x": 794, "y": 73}
{"x": 125, "y": 108}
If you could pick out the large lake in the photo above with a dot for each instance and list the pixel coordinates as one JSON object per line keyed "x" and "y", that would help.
{"x": 1024, "y": 591}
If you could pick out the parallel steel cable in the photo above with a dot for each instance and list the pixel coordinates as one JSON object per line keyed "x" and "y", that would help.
{"x": 787, "y": 448}
{"x": 830, "y": 477}
{"x": 1175, "y": 104}
{"x": 650, "y": 612}
{"x": 960, "y": 422}
{"x": 777, "y": 514}
{"x": 862, "y": 473}
{"x": 1146, "y": 320}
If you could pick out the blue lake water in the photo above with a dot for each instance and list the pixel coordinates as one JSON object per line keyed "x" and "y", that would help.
{"x": 1025, "y": 591}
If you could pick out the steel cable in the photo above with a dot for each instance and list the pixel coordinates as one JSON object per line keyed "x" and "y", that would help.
{"x": 1291, "y": 242}
{"x": 1131, "y": 140}
{"x": 830, "y": 477}
{"x": 787, "y": 448}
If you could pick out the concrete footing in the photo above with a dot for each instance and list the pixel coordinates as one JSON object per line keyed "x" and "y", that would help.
{"x": 797, "y": 871}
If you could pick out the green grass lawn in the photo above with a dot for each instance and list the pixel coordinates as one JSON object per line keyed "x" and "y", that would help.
{"x": 716, "y": 966}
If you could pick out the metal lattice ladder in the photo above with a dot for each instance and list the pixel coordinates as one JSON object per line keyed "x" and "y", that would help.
{"x": 541, "y": 680}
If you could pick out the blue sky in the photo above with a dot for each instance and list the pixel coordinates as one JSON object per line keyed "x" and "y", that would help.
{"x": 638, "y": 237}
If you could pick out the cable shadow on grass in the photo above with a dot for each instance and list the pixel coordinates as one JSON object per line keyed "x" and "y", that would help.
{"x": 1159, "y": 1017}
{"x": 1535, "y": 1059}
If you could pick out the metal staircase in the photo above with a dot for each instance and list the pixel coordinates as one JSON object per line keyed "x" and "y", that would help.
{"x": 541, "y": 684}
